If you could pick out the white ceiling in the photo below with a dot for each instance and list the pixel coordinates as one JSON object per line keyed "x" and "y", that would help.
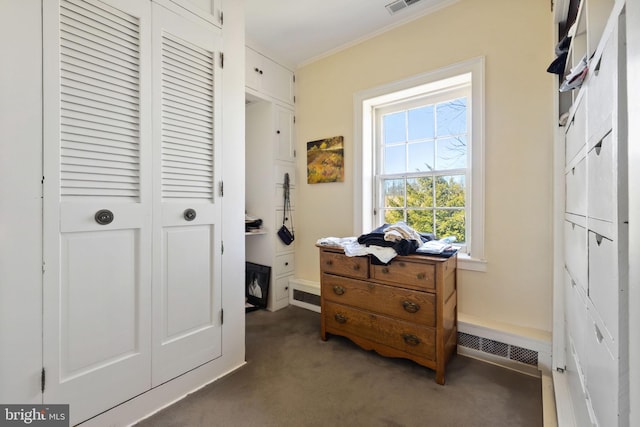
{"x": 299, "y": 31}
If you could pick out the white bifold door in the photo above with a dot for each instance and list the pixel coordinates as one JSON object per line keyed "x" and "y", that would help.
{"x": 131, "y": 220}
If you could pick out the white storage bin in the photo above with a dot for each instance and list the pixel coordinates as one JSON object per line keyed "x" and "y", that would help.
{"x": 601, "y": 85}
{"x": 575, "y": 138}
{"x": 576, "y": 314}
{"x": 604, "y": 293}
{"x": 575, "y": 254}
{"x": 601, "y": 372}
{"x": 601, "y": 181}
{"x": 576, "y": 188}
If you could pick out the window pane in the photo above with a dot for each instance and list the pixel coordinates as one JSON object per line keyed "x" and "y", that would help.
{"x": 421, "y": 156}
{"x": 394, "y": 159}
{"x": 450, "y": 191}
{"x": 420, "y": 220}
{"x": 450, "y": 223}
{"x": 420, "y": 192}
{"x": 393, "y": 216}
{"x": 393, "y": 193}
{"x": 421, "y": 123}
{"x": 452, "y": 153}
{"x": 394, "y": 127}
{"x": 452, "y": 117}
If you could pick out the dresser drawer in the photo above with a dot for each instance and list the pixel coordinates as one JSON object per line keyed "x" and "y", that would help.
{"x": 338, "y": 263}
{"x": 400, "y": 303}
{"x": 412, "y": 275}
{"x": 404, "y": 336}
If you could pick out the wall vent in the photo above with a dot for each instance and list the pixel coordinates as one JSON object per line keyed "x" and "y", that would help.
{"x": 497, "y": 348}
{"x": 303, "y": 296}
{"x": 399, "y": 5}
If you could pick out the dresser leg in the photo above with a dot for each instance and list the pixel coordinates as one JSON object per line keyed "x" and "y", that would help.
{"x": 440, "y": 377}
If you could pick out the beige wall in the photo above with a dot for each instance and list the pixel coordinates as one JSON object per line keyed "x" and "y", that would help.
{"x": 515, "y": 38}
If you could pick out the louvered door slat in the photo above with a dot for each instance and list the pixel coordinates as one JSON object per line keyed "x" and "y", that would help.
{"x": 174, "y": 172}
{"x": 175, "y": 97}
{"x": 176, "y": 136}
{"x": 99, "y": 148}
{"x": 196, "y": 60}
{"x": 188, "y": 148}
{"x": 177, "y": 125}
{"x": 71, "y": 38}
{"x": 101, "y": 77}
{"x": 100, "y": 124}
{"x": 179, "y": 72}
{"x": 88, "y": 57}
{"x": 77, "y": 17}
{"x": 96, "y": 107}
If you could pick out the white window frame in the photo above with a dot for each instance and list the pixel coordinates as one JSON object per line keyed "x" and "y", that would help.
{"x": 365, "y": 103}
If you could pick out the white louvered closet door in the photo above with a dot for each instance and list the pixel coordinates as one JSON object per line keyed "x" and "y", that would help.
{"x": 97, "y": 203}
{"x": 187, "y": 328}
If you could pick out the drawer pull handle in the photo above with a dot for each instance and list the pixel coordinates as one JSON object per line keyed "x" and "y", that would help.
{"x": 599, "y": 335}
{"x": 421, "y": 276}
{"x": 340, "y": 318}
{"x": 385, "y": 270}
{"x": 410, "y": 307}
{"x": 411, "y": 339}
{"x": 338, "y": 290}
{"x": 329, "y": 262}
{"x": 356, "y": 267}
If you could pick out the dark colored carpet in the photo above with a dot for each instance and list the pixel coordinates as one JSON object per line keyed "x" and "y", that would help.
{"x": 293, "y": 378}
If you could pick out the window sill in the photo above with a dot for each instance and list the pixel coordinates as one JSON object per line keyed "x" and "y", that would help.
{"x": 465, "y": 262}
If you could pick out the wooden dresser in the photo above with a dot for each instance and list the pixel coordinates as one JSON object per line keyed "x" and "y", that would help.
{"x": 407, "y": 308}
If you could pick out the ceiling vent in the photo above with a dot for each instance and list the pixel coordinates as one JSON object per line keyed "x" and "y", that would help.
{"x": 399, "y": 5}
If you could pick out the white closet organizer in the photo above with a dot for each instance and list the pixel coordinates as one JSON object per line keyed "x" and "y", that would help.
{"x": 132, "y": 214}
{"x": 596, "y": 222}
{"x": 270, "y": 154}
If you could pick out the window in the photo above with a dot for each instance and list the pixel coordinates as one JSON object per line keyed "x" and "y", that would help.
{"x": 421, "y": 157}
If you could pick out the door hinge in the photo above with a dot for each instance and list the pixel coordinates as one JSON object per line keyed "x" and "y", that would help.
{"x": 221, "y": 18}
{"x": 43, "y": 267}
{"x": 561, "y": 370}
{"x": 294, "y": 153}
{"x": 294, "y": 99}
{"x": 221, "y": 188}
{"x": 294, "y": 120}
{"x": 221, "y": 248}
{"x": 222, "y": 316}
{"x": 221, "y": 60}
{"x": 42, "y": 380}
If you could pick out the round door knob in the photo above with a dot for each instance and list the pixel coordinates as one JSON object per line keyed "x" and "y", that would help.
{"x": 189, "y": 214}
{"x": 104, "y": 217}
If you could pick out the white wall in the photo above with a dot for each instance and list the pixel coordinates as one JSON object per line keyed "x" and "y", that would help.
{"x": 515, "y": 38}
{"x": 20, "y": 201}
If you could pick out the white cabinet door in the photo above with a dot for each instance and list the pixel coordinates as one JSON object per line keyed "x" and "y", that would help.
{"x": 187, "y": 209}
{"x": 284, "y": 135}
{"x": 268, "y": 77}
{"x": 97, "y": 203}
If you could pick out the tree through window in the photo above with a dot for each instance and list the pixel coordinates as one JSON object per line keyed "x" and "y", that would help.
{"x": 422, "y": 167}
